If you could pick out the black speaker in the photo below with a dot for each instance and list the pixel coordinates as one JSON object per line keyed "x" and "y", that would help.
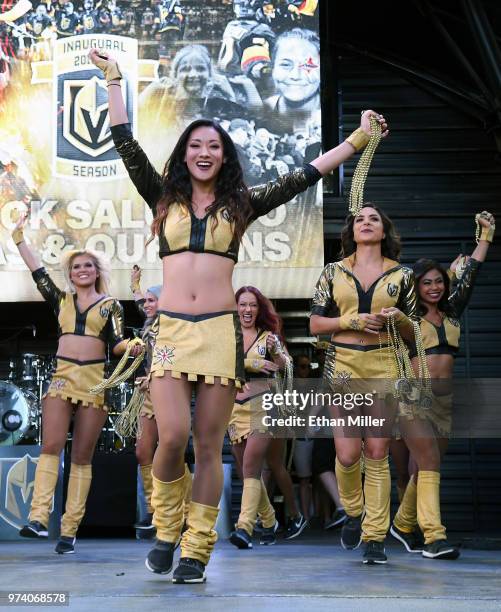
{"x": 113, "y": 492}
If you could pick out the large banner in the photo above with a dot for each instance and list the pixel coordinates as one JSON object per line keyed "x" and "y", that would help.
{"x": 254, "y": 66}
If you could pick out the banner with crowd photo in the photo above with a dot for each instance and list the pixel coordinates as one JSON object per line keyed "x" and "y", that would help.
{"x": 251, "y": 65}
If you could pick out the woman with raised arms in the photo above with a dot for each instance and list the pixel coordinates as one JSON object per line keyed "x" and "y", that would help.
{"x": 356, "y": 300}
{"x": 89, "y": 321}
{"x": 202, "y": 208}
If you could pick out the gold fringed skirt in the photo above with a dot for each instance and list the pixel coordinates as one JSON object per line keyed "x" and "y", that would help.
{"x": 437, "y": 413}
{"x": 147, "y": 408}
{"x": 247, "y": 417}
{"x": 73, "y": 380}
{"x": 203, "y": 347}
{"x": 344, "y": 362}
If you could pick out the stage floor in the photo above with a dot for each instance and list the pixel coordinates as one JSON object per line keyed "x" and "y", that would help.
{"x": 310, "y": 573}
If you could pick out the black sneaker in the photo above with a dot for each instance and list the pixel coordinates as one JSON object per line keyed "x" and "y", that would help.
{"x": 295, "y": 527}
{"x": 189, "y": 571}
{"x": 409, "y": 540}
{"x": 241, "y": 539}
{"x": 374, "y": 553}
{"x": 34, "y": 529}
{"x": 145, "y": 524}
{"x": 338, "y": 518}
{"x": 258, "y": 527}
{"x": 418, "y": 534}
{"x": 440, "y": 549}
{"x": 160, "y": 558}
{"x": 65, "y": 546}
{"x": 351, "y": 533}
{"x": 268, "y": 535}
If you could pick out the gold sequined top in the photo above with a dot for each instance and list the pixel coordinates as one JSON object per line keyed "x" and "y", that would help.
{"x": 444, "y": 339}
{"x": 258, "y": 352}
{"x": 182, "y": 230}
{"x": 338, "y": 291}
{"x": 103, "y": 319}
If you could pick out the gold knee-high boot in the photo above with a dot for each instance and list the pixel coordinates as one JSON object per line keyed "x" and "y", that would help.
{"x": 78, "y": 491}
{"x": 265, "y": 510}
{"x": 406, "y": 518}
{"x": 188, "y": 486}
{"x": 251, "y": 496}
{"x": 167, "y": 500}
{"x": 45, "y": 484}
{"x": 428, "y": 506}
{"x": 199, "y": 539}
{"x": 147, "y": 485}
{"x": 349, "y": 482}
{"x": 377, "y": 488}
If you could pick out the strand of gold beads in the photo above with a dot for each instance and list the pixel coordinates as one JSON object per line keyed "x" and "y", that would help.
{"x": 362, "y": 168}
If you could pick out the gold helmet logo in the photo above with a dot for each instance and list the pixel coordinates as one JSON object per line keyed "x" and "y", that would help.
{"x": 17, "y": 479}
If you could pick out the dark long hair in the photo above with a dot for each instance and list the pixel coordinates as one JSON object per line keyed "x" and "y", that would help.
{"x": 422, "y": 267}
{"x": 267, "y": 317}
{"x": 230, "y": 192}
{"x": 390, "y": 245}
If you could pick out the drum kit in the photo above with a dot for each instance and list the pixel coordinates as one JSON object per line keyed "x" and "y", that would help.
{"x": 21, "y": 402}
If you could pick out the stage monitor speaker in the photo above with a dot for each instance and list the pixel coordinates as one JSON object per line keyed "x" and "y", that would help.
{"x": 113, "y": 493}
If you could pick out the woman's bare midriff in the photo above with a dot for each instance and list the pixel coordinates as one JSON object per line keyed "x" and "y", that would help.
{"x": 82, "y": 348}
{"x": 197, "y": 283}
{"x": 361, "y": 338}
{"x": 439, "y": 366}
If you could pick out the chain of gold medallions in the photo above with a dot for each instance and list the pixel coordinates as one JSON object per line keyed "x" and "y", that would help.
{"x": 398, "y": 351}
{"x": 362, "y": 168}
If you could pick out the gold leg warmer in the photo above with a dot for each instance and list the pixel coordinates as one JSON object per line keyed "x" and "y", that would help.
{"x": 45, "y": 483}
{"x": 349, "y": 482}
{"x": 188, "y": 486}
{"x": 406, "y": 517}
{"x": 251, "y": 496}
{"x": 199, "y": 539}
{"x": 147, "y": 485}
{"x": 265, "y": 510}
{"x": 377, "y": 488}
{"x": 428, "y": 506}
{"x": 167, "y": 500}
{"x": 76, "y": 498}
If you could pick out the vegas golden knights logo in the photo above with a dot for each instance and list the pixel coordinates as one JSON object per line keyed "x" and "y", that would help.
{"x": 392, "y": 289}
{"x": 86, "y": 123}
{"x": 83, "y": 147}
{"x": 17, "y": 479}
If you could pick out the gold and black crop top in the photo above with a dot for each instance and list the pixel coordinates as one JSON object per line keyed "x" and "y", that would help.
{"x": 258, "y": 352}
{"x": 338, "y": 291}
{"x": 444, "y": 339}
{"x": 182, "y": 230}
{"x": 103, "y": 319}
